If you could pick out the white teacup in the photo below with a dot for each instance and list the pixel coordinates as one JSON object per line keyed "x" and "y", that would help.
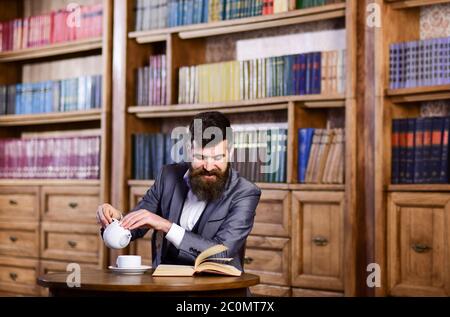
{"x": 128, "y": 261}
{"x": 115, "y": 236}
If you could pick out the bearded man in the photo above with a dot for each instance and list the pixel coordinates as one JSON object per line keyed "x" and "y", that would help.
{"x": 196, "y": 204}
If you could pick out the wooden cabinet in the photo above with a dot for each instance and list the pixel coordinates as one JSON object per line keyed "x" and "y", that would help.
{"x": 19, "y": 203}
{"x": 269, "y": 258}
{"x": 317, "y": 240}
{"x": 18, "y": 275}
{"x": 272, "y": 214}
{"x": 418, "y": 250}
{"x": 64, "y": 241}
{"x": 70, "y": 203}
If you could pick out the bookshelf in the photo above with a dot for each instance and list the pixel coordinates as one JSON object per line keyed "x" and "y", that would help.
{"x": 51, "y": 50}
{"x": 55, "y": 220}
{"x": 406, "y": 216}
{"x": 279, "y": 224}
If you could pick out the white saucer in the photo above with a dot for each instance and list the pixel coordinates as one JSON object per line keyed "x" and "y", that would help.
{"x": 138, "y": 270}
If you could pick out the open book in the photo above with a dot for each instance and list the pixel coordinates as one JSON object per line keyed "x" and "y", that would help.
{"x": 203, "y": 263}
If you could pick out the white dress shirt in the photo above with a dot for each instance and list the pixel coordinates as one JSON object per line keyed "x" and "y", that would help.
{"x": 192, "y": 210}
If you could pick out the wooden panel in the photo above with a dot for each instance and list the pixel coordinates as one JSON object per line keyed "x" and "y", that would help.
{"x": 46, "y": 267}
{"x": 20, "y": 239}
{"x": 300, "y": 292}
{"x": 70, "y": 203}
{"x": 418, "y": 244}
{"x": 20, "y": 203}
{"x": 317, "y": 240}
{"x": 270, "y": 290}
{"x": 63, "y": 241}
{"x": 272, "y": 214}
{"x": 268, "y": 257}
{"x": 18, "y": 275}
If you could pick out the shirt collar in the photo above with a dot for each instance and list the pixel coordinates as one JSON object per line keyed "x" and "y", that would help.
{"x": 186, "y": 179}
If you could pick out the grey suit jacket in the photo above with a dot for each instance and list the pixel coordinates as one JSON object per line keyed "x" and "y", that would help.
{"x": 228, "y": 220}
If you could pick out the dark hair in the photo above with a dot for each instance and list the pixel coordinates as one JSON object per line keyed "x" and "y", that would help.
{"x": 210, "y": 119}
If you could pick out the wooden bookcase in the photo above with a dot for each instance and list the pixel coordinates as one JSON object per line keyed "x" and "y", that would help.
{"x": 48, "y": 223}
{"x": 276, "y": 249}
{"x": 406, "y": 215}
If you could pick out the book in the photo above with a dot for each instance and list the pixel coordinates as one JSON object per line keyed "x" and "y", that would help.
{"x": 204, "y": 263}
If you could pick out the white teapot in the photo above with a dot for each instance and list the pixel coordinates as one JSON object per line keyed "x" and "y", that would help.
{"x": 115, "y": 236}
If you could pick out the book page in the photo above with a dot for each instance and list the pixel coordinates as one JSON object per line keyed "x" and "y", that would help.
{"x": 173, "y": 270}
{"x": 218, "y": 268}
{"x": 209, "y": 252}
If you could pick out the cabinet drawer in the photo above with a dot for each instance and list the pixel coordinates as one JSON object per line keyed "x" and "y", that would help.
{"x": 268, "y": 257}
{"x": 272, "y": 214}
{"x": 72, "y": 242}
{"x": 70, "y": 203}
{"x": 418, "y": 244}
{"x": 270, "y": 290}
{"x": 20, "y": 239}
{"x": 19, "y": 203}
{"x": 18, "y": 275}
{"x": 318, "y": 240}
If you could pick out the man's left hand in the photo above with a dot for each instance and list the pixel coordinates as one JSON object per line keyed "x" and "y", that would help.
{"x": 146, "y": 219}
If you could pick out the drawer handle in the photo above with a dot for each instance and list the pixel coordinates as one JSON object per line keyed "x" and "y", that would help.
{"x": 72, "y": 243}
{"x": 13, "y": 276}
{"x": 13, "y": 202}
{"x": 73, "y": 205}
{"x": 420, "y": 248}
{"x": 248, "y": 260}
{"x": 320, "y": 241}
{"x": 13, "y": 238}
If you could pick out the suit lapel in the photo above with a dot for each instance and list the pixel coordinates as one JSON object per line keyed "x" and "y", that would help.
{"x": 179, "y": 195}
{"x": 178, "y": 198}
{"x": 210, "y": 207}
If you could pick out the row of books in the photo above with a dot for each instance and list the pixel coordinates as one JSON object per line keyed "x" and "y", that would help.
{"x": 420, "y": 150}
{"x": 55, "y": 27}
{"x": 321, "y": 156}
{"x": 72, "y": 94}
{"x": 68, "y": 158}
{"x": 151, "y": 82}
{"x": 157, "y": 14}
{"x": 419, "y": 63}
{"x": 150, "y": 152}
{"x": 301, "y": 4}
{"x": 260, "y": 155}
{"x": 301, "y": 74}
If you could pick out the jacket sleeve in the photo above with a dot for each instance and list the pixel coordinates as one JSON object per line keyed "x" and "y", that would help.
{"x": 151, "y": 202}
{"x": 232, "y": 233}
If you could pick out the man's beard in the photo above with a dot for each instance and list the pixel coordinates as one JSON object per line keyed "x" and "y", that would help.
{"x": 208, "y": 190}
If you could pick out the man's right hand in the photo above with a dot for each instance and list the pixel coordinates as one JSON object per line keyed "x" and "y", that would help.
{"x": 106, "y": 213}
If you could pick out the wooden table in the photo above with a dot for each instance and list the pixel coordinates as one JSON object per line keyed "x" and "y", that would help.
{"x": 107, "y": 283}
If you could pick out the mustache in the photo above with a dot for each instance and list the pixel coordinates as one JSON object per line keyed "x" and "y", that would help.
{"x": 202, "y": 172}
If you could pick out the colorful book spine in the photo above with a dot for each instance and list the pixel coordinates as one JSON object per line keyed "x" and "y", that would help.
{"x": 55, "y": 158}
